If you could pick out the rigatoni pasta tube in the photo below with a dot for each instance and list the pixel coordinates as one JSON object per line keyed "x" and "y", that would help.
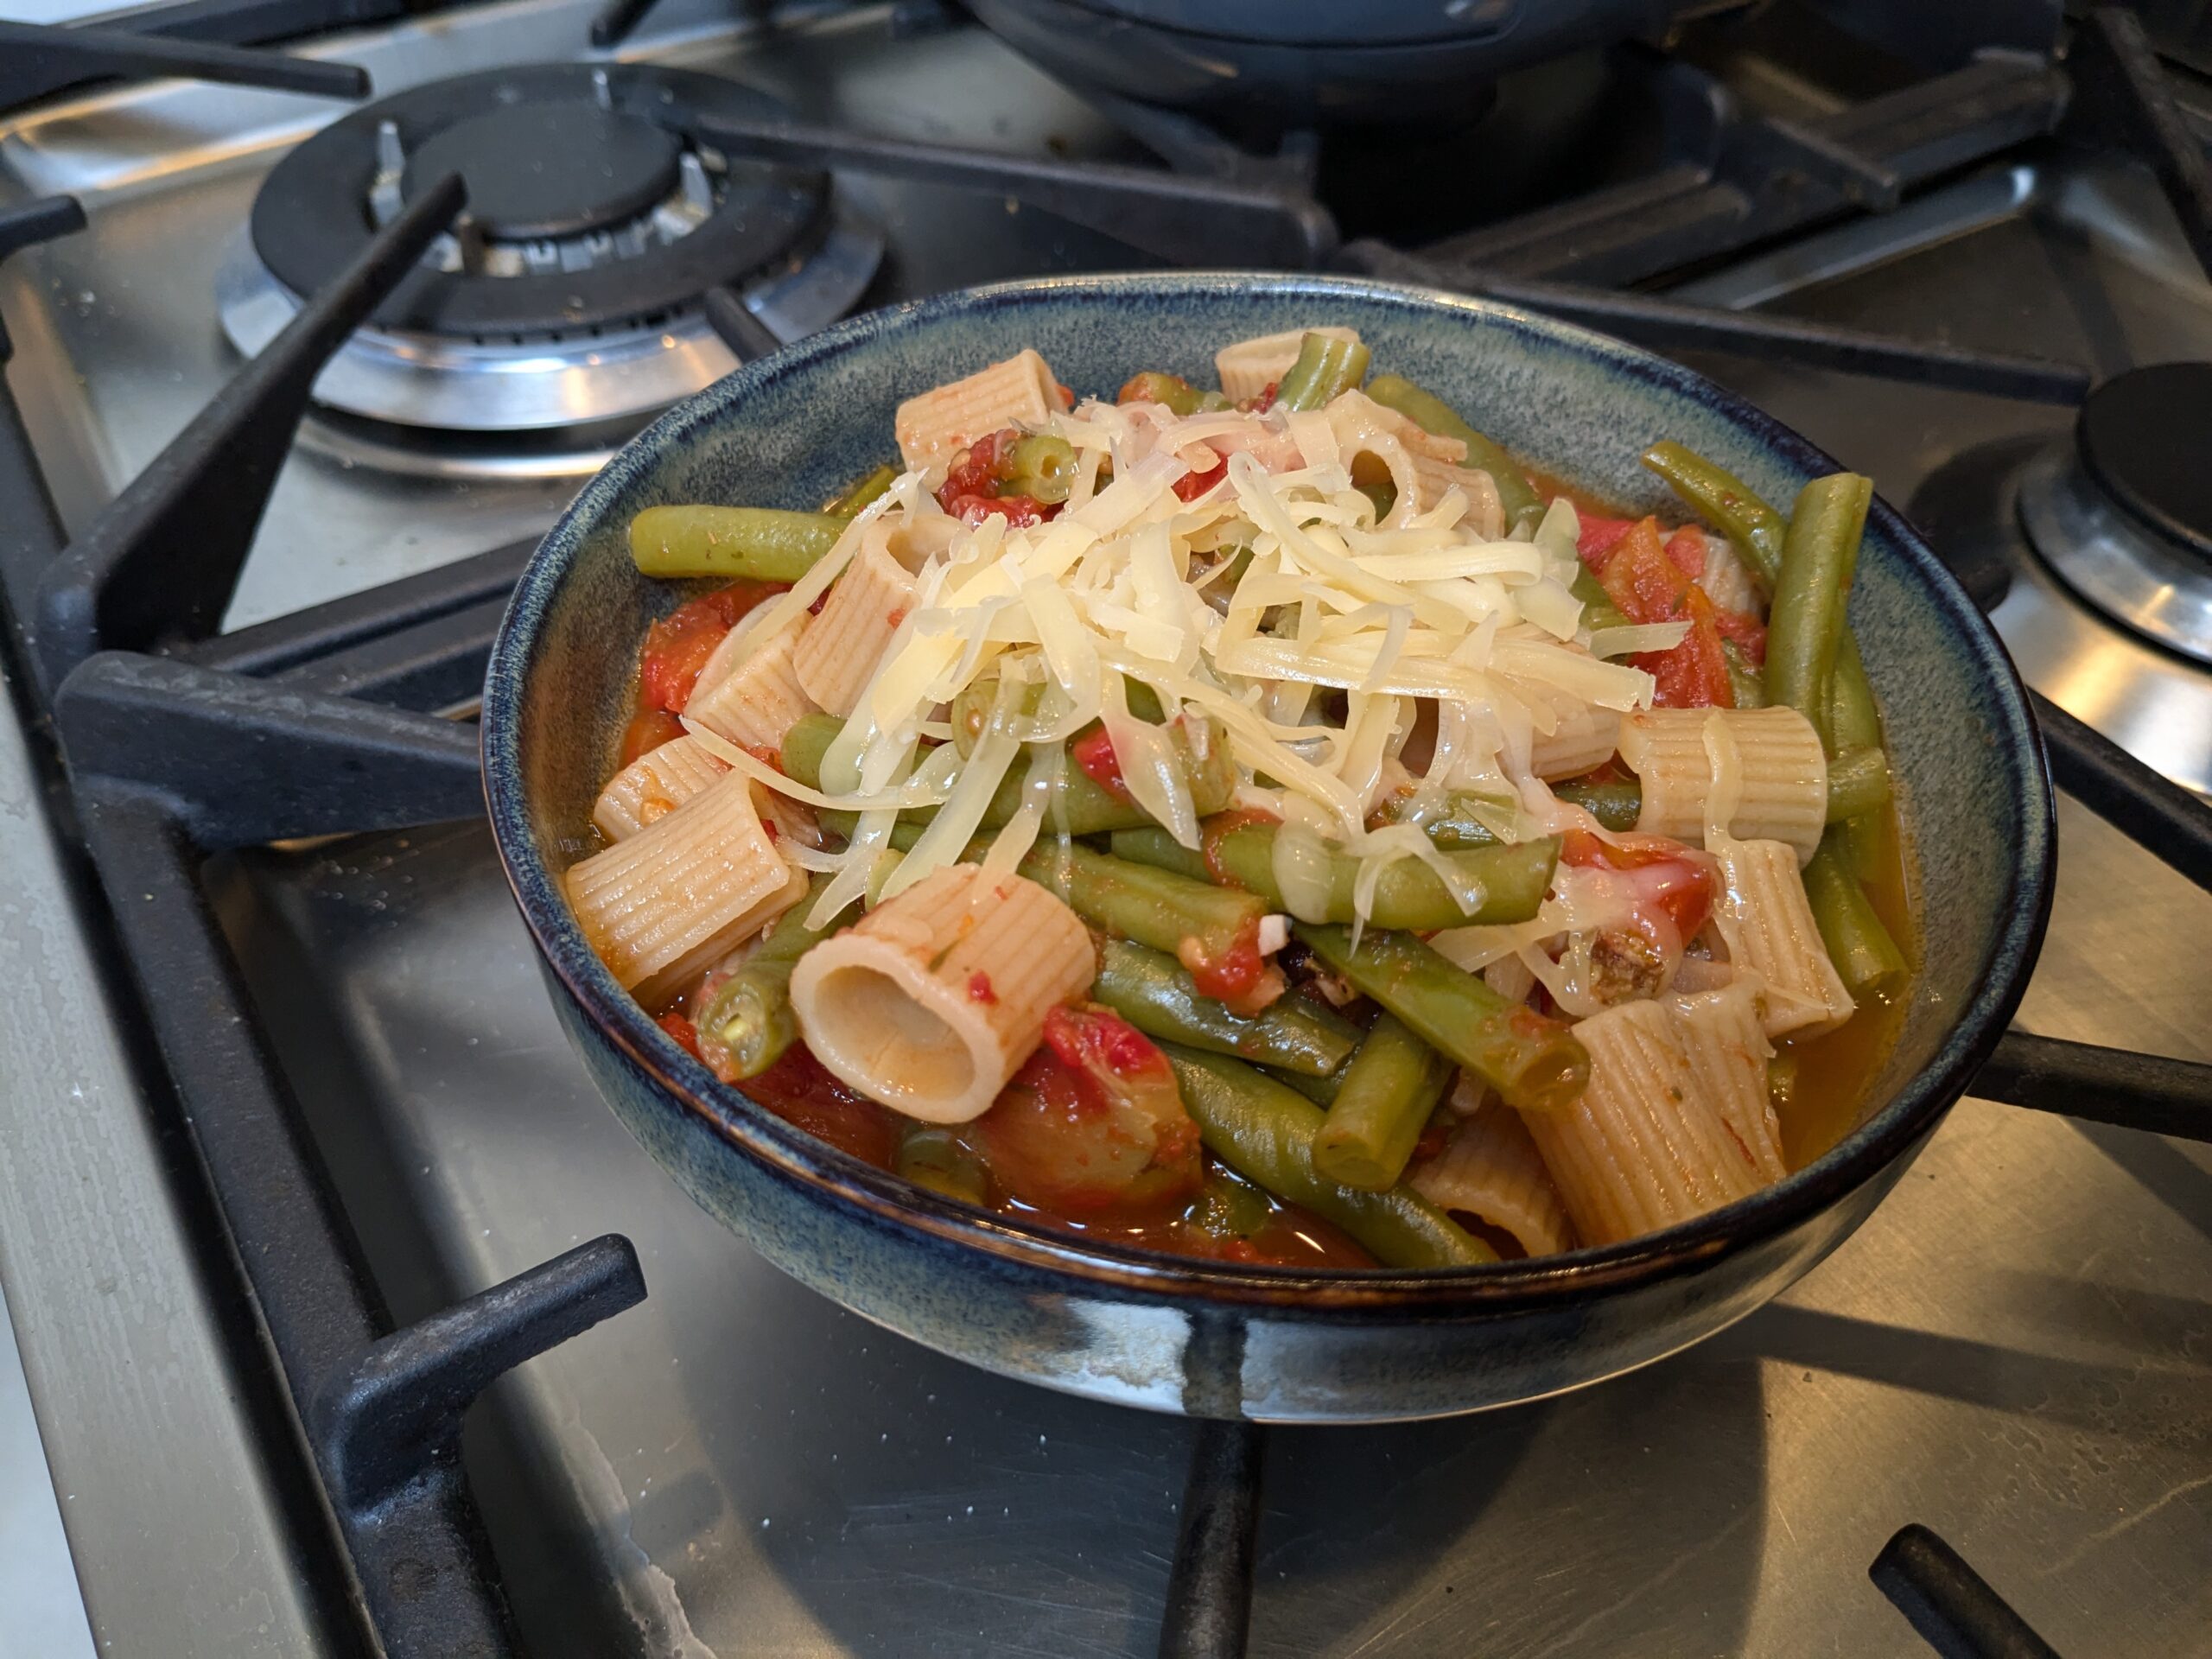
{"x": 1783, "y": 789}
{"x": 1020, "y": 391}
{"x": 1767, "y": 923}
{"x": 653, "y": 785}
{"x": 933, "y": 1000}
{"x": 1583, "y": 738}
{"x": 1486, "y": 516}
{"x": 1645, "y": 1146}
{"x": 662, "y": 906}
{"x": 756, "y": 702}
{"x": 838, "y": 653}
{"x": 1490, "y": 1169}
{"x": 1728, "y": 1052}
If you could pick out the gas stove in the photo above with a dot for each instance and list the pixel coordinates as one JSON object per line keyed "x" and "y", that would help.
{"x": 284, "y": 1079}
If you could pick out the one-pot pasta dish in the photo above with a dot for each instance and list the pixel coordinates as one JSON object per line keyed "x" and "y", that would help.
{"x": 1264, "y": 823}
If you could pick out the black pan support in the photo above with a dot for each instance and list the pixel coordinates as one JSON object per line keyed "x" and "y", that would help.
{"x": 50, "y": 57}
{"x": 162, "y": 561}
{"x": 339, "y": 718}
{"x": 1192, "y": 220}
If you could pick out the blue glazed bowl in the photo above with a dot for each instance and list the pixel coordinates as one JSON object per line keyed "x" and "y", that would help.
{"x": 1212, "y": 1338}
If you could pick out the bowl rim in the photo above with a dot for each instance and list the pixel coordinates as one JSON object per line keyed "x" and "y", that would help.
{"x": 684, "y": 1085}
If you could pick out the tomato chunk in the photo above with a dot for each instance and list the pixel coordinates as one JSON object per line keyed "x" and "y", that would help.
{"x": 1599, "y": 536}
{"x": 677, "y": 646}
{"x": 679, "y": 1027}
{"x": 1092, "y": 1125}
{"x": 799, "y": 1090}
{"x": 1672, "y": 879}
{"x": 1094, "y": 753}
{"x": 1685, "y": 551}
{"x": 1649, "y": 587}
{"x": 650, "y": 729}
{"x": 972, "y": 491}
{"x": 1192, "y": 485}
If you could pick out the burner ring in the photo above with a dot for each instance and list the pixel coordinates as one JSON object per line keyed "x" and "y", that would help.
{"x": 311, "y": 217}
{"x": 2112, "y": 559}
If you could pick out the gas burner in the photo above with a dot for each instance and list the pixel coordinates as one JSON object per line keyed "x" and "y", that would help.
{"x": 569, "y": 296}
{"x": 2124, "y": 515}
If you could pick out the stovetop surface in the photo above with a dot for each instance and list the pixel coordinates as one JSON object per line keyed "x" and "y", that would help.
{"x": 2013, "y": 1351}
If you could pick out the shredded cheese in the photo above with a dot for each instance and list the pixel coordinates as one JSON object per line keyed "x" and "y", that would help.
{"x": 1132, "y": 583}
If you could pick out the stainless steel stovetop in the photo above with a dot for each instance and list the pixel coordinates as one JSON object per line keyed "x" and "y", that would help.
{"x": 2016, "y": 1349}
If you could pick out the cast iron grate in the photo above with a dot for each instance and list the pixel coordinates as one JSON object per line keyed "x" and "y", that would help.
{"x": 181, "y": 743}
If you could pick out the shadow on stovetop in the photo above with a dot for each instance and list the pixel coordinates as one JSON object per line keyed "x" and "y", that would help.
{"x": 2165, "y": 1170}
{"x": 2050, "y": 1388}
{"x": 1630, "y": 1516}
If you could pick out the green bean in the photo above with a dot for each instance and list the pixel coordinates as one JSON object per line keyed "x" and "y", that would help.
{"x": 1150, "y": 989}
{"x": 1855, "y": 722}
{"x": 863, "y": 492}
{"x": 1039, "y": 465}
{"x": 1806, "y": 623}
{"x": 1322, "y": 1091}
{"x": 1599, "y": 610}
{"x": 1859, "y": 946}
{"x": 1326, "y": 366}
{"x": 1454, "y": 821}
{"x": 1265, "y": 1133}
{"x": 1617, "y": 805}
{"x": 736, "y": 543}
{"x": 1854, "y": 719}
{"x": 1728, "y": 504}
{"x": 1408, "y": 894}
{"x": 1153, "y": 907}
{"x": 1228, "y": 1205}
{"x": 973, "y": 705}
{"x": 1809, "y": 643}
{"x": 1156, "y": 847}
{"x": 1394, "y": 1082}
{"x": 1746, "y": 680}
{"x": 935, "y": 1156}
{"x": 1171, "y": 390}
{"x": 805, "y": 742}
{"x": 1456, "y": 825}
{"x": 1431, "y": 414}
{"x": 1533, "y": 1062}
{"x": 975, "y": 702}
{"x": 748, "y": 1018}
{"x": 1078, "y": 801}
{"x": 1858, "y": 783}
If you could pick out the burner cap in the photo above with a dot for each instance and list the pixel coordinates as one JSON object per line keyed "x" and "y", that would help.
{"x": 552, "y": 169}
{"x": 2141, "y": 434}
{"x": 593, "y": 206}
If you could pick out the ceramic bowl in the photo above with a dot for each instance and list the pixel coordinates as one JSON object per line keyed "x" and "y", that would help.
{"x": 1207, "y": 1337}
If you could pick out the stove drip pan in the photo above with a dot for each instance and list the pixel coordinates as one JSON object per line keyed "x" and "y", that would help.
{"x": 2123, "y": 515}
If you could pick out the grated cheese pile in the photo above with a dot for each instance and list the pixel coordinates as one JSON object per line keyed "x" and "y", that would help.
{"x": 1130, "y": 580}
